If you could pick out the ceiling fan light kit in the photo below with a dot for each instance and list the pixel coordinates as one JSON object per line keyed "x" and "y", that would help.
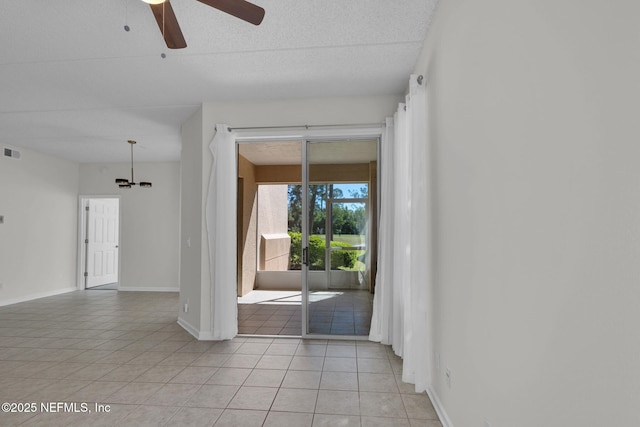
{"x": 125, "y": 183}
{"x": 170, "y": 29}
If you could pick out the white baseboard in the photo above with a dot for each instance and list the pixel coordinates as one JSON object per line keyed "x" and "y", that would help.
{"x": 147, "y": 289}
{"x": 437, "y": 404}
{"x": 208, "y": 336}
{"x": 189, "y": 328}
{"x": 200, "y": 335}
{"x": 38, "y": 295}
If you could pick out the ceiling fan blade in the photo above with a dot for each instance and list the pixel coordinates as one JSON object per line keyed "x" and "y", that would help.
{"x": 239, "y": 8}
{"x": 168, "y": 23}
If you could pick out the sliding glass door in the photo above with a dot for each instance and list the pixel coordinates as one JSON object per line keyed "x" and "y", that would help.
{"x": 306, "y": 237}
{"x": 338, "y": 230}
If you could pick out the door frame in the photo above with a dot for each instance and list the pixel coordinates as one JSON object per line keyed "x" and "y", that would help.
{"x": 82, "y": 236}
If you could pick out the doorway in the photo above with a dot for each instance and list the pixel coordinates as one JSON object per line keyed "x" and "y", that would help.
{"x": 99, "y": 242}
{"x": 314, "y": 279}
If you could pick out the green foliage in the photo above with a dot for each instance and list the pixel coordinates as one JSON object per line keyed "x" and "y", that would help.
{"x": 316, "y": 252}
{"x": 348, "y": 218}
{"x": 344, "y": 259}
{"x": 295, "y": 253}
{"x": 317, "y": 248}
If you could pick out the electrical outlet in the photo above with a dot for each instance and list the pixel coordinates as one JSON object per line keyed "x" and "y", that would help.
{"x": 186, "y": 306}
{"x": 447, "y": 376}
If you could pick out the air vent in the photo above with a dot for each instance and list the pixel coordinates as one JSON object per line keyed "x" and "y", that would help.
{"x": 14, "y": 154}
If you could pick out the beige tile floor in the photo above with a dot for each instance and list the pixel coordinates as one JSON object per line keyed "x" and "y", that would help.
{"x": 336, "y": 312}
{"x": 124, "y": 351}
{"x": 342, "y": 312}
{"x": 270, "y": 313}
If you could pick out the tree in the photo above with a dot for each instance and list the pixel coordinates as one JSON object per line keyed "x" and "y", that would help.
{"x": 347, "y": 218}
{"x": 317, "y": 203}
{"x": 361, "y": 193}
{"x": 295, "y": 208}
{"x": 317, "y": 208}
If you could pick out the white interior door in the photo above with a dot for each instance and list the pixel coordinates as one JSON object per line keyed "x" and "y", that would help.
{"x": 102, "y": 241}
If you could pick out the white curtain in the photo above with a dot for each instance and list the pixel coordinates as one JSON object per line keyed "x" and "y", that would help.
{"x": 221, "y": 219}
{"x": 402, "y": 302}
{"x": 381, "y": 320}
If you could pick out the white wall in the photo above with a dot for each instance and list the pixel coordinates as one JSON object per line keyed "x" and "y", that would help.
{"x": 198, "y": 132}
{"x": 38, "y": 199}
{"x": 191, "y": 223}
{"x": 149, "y": 221}
{"x": 273, "y": 218}
{"x": 533, "y": 118}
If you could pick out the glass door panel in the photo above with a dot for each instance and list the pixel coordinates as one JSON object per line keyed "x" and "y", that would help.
{"x": 339, "y": 176}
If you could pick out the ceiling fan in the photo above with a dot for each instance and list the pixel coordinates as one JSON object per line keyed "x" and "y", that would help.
{"x": 168, "y": 23}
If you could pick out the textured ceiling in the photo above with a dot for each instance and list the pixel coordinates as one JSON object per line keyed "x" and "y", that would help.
{"x": 272, "y": 153}
{"x": 75, "y": 84}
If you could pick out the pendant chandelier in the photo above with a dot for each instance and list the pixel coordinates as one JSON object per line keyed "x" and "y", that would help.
{"x": 125, "y": 183}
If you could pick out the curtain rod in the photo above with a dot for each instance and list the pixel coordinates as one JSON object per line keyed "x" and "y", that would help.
{"x": 307, "y": 127}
